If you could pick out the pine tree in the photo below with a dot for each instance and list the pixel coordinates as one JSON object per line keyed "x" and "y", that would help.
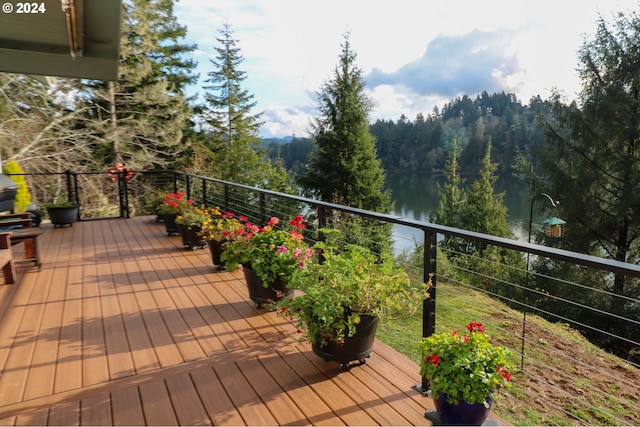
{"x": 344, "y": 168}
{"x": 451, "y": 200}
{"x": 234, "y": 130}
{"x": 591, "y": 160}
{"x": 141, "y": 116}
{"x": 477, "y": 208}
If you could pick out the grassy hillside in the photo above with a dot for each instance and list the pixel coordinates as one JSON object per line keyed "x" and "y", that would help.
{"x": 565, "y": 379}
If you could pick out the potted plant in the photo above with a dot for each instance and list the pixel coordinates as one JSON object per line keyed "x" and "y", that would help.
{"x": 268, "y": 255}
{"x": 189, "y": 225}
{"x": 172, "y": 205}
{"x": 464, "y": 371}
{"x": 153, "y": 205}
{"x": 218, "y": 230}
{"x": 63, "y": 213}
{"x": 344, "y": 297}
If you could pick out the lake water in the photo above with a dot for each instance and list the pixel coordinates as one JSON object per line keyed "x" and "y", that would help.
{"x": 415, "y": 196}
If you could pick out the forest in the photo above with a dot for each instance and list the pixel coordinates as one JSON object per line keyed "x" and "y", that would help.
{"x": 421, "y": 145}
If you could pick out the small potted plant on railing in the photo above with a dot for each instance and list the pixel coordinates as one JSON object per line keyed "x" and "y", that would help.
{"x": 464, "y": 370}
{"x": 344, "y": 297}
{"x": 62, "y": 213}
{"x": 218, "y": 230}
{"x": 268, "y": 255}
{"x": 190, "y": 224}
{"x": 172, "y": 205}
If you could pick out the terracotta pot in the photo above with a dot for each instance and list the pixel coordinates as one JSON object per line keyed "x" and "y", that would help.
{"x": 261, "y": 294}
{"x": 358, "y": 347}
{"x": 462, "y": 413}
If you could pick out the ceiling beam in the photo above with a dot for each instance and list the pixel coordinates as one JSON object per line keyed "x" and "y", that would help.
{"x": 49, "y": 64}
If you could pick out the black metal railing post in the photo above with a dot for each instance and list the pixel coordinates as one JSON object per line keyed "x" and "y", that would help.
{"x": 226, "y": 197}
{"x": 187, "y": 187}
{"x": 429, "y": 300}
{"x": 263, "y": 210}
{"x": 204, "y": 192}
{"x": 429, "y": 277}
{"x": 123, "y": 193}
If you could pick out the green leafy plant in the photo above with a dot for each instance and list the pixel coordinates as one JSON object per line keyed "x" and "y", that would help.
{"x": 175, "y": 204}
{"x": 270, "y": 251}
{"x": 464, "y": 366}
{"x": 59, "y": 204}
{"x": 193, "y": 217}
{"x": 345, "y": 286}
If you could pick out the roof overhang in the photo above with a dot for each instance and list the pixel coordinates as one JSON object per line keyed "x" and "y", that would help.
{"x": 63, "y": 38}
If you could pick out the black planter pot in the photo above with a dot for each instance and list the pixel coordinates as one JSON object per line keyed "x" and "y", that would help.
{"x": 355, "y": 348}
{"x": 462, "y": 413}
{"x": 260, "y": 294}
{"x": 216, "y": 248}
{"x": 170, "y": 224}
{"x": 63, "y": 215}
{"x": 190, "y": 237}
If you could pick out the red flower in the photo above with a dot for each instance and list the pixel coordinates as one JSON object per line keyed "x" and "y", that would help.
{"x": 504, "y": 373}
{"x": 434, "y": 359}
{"x": 475, "y": 327}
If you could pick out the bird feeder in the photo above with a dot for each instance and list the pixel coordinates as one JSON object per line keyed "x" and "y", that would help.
{"x": 554, "y": 227}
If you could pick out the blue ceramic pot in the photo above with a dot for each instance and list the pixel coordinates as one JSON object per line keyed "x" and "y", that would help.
{"x": 462, "y": 413}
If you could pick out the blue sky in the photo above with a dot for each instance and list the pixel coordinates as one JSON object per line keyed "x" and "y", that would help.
{"x": 414, "y": 54}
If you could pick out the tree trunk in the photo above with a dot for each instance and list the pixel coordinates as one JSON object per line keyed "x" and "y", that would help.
{"x": 115, "y": 143}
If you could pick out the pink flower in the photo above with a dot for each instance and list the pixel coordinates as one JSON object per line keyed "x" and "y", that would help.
{"x": 283, "y": 249}
{"x": 273, "y": 221}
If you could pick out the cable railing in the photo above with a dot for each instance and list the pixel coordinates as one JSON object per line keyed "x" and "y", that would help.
{"x": 544, "y": 313}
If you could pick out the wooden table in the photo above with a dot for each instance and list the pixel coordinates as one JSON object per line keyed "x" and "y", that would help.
{"x": 30, "y": 238}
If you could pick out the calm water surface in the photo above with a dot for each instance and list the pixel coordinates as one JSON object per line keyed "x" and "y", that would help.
{"x": 416, "y": 196}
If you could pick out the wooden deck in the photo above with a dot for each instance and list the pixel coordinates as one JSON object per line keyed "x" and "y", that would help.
{"x": 122, "y": 326}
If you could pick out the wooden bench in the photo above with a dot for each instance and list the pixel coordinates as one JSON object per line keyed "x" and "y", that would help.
{"x": 6, "y": 259}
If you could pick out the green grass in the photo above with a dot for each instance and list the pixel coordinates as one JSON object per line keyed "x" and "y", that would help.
{"x": 457, "y": 306}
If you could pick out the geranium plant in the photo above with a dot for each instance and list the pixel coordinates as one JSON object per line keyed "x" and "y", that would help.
{"x": 464, "y": 366}
{"x": 175, "y": 204}
{"x": 349, "y": 283}
{"x": 271, "y": 251}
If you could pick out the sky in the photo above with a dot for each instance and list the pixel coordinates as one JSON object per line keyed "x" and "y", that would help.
{"x": 414, "y": 54}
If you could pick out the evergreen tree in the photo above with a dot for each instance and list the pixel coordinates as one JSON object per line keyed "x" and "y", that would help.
{"x": 451, "y": 200}
{"x": 591, "y": 160}
{"x": 344, "y": 168}
{"x": 477, "y": 208}
{"x": 233, "y": 139}
{"x": 141, "y": 116}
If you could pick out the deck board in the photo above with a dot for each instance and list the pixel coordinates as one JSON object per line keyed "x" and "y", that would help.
{"x": 123, "y": 326}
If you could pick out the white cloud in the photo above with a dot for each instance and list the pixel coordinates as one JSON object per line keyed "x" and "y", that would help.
{"x": 414, "y": 54}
